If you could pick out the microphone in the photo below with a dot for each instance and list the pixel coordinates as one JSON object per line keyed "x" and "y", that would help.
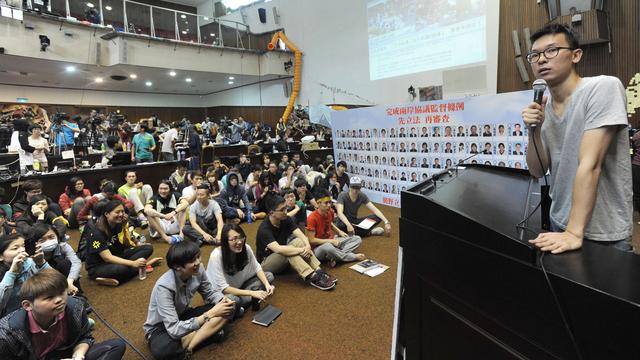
{"x": 539, "y": 86}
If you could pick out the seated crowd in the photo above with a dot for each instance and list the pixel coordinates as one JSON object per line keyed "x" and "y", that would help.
{"x": 309, "y": 216}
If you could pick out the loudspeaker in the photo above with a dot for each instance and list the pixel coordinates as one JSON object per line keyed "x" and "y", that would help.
{"x": 1, "y": 50}
{"x": 262, "y": 14}
{"x": 122, "y": 51}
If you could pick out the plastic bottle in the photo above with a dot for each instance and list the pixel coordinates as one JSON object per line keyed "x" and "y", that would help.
{"x": 142, "y": 272}
{"x": 249, "y": 217}
{"x": 142, "y": 240}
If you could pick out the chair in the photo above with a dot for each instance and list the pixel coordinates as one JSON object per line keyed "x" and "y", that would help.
{"x": 206, "y": 158}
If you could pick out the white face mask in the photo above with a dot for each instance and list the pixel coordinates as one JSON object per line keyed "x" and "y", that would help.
{"x": 49, "y": 245}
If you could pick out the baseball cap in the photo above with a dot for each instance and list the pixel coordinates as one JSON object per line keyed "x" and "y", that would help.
{"x": 355, "y": 182}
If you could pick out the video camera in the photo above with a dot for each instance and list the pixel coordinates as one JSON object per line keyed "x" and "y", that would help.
{"x": 59, "y": 117}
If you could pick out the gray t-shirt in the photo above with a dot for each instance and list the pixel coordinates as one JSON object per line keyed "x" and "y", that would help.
{"x": 196, "y": 210}
{"x": 351, "y": 207}
{"x": 596, "y": 102}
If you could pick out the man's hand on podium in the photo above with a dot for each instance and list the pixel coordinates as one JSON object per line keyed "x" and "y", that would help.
{"x": 557, "y": 242}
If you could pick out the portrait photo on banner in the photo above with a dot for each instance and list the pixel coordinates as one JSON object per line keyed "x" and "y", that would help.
{"x": 394, "y": 147}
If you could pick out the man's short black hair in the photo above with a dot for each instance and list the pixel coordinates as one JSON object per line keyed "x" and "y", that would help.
{"x": 342, "y": 163}
{"x": 182, "y": 253}
{"x": 300, "y": 182}
{"x": 555, "y": 28}
{"x": 274, "y": 202}
{"x": 203, "y": 186}
{"x": 322, "y": 192}
{"x": 144, "y": 127}
{"x": 33, "y": 184}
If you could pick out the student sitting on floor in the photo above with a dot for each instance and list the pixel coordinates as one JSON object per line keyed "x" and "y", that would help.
{"x": 215, "y": 185}
{"x": 294, "y": 210}
{"x": 233, "y": 198}
{"x": 31, "y": 188}
{"x": 173, "y": 328}
{"x": 205, "y": 219}
{"x": 73, "y": 199}
{"x": 166, "y": 215}
{"x": 330, "y": 243}
{"x": 15, "y": 268}
{"x": 196, "y": 180}
{"x": 38, "y": 212}
{"x": 347, "y": 209}
{"x": 264, "y": 192}
{"x": 234, "y": 270}
{"x": 112, "y": 257}
{"x": 58, "y": 254}
{"x": 107, "y": 192}
{"x": 50, "y": 325}
{"x": 5, "y": 228}
{"x": 178, "y": 178}
{"x": 280, "y": 244}
{"x": 304, "y": 195}
{"x": 136, "y": 192}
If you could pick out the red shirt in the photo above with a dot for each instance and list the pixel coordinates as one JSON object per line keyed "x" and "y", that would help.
{"x": 45, "y": 341}
{"x": 321, "y": 225}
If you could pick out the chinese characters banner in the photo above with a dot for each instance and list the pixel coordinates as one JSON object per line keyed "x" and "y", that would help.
{"x": 393, "y": 147}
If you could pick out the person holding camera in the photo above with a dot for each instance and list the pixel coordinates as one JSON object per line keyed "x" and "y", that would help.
{"x": 64, "y": 132}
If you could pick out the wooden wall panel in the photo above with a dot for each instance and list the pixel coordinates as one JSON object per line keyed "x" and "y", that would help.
{"x": 623, "y": 61}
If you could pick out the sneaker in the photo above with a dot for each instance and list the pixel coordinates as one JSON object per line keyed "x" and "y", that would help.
{"x": 144, "y": 224}
{"x": 107, "y": 281}
{"x": 92, "y": 323}
{"x": 377, "y": 231}
{"x": 331, "y": 278}
{"x": 318, "y": 280}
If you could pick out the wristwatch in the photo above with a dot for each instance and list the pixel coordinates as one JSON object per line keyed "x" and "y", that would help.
{"x": 206, "y": 318}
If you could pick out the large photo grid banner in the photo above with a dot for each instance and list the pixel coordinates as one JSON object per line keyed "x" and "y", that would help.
{"x": 393, "y": 147}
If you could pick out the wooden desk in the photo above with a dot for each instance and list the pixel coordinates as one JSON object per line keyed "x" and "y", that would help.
{"x": 54, "y": 183}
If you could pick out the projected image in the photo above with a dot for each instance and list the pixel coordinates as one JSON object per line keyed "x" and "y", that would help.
{"x": 410, "y": 36}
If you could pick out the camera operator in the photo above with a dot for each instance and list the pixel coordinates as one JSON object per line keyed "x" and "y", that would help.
{"x": 64, "y": 131}
{"x": 20, "y": 142}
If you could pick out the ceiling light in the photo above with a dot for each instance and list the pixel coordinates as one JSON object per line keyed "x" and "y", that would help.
{"x": 212, "y": 34}
{"x": 148, "y": 83}
{"x": 183, "y": 16}
{"x": 184, "y": 32}
{"x": 90, "y": 5}
{"x": 70, "y": 68}
{"x": 133, "y": 76}
{"x": 172, "y": 73}
{"x": 188, "y": 79}
{"x": 206, "y": 18}
{"x": 231, "y": 78}
{"x": 108, "y": 8}
{"x": 98, "y": 79}
{"x": 230, "y": 82}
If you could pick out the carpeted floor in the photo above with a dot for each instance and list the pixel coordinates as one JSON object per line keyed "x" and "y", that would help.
{"x": 354, "y": 321}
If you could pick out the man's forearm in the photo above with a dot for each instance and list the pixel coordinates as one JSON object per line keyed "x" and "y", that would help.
{"x": 532, "y": 157}
{"x": 584, "y": 194}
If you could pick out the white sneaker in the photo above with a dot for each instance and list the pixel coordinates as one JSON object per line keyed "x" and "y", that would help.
{"x": 377, "y": 231}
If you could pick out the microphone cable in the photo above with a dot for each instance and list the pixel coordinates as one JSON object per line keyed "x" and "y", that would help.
{"x": 110, "y": 327}
{"x": 556, "y": 300}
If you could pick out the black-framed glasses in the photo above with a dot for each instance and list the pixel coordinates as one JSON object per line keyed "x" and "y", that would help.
{"x": 549, "y": 53}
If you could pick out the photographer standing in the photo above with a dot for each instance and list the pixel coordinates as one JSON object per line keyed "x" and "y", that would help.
{"x": 64, "y": 131}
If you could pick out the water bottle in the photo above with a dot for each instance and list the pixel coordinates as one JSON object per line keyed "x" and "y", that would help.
{"x": 142, "y": 272}
{"x": 249, "y": 217}
{"x": 142, "y": 240}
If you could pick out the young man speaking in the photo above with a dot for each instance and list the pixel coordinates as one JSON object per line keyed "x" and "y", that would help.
{"x": 580, "y": 132}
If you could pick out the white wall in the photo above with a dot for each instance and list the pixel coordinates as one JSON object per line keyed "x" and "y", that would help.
{"x": 272, "y": 95}
{"x": 40, "y": 95}
{"x": 332, "y": 34}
